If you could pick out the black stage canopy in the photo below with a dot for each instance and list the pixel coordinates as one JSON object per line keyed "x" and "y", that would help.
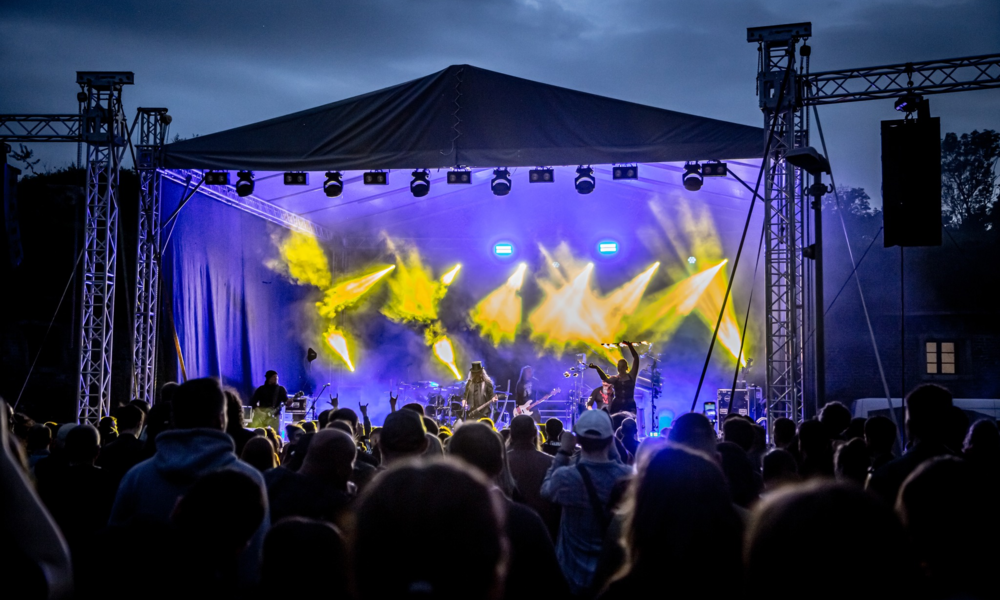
{"x": 467, "y": 116}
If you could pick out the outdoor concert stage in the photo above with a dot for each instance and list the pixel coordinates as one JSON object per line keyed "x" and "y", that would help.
{"x": 547, "y": 274}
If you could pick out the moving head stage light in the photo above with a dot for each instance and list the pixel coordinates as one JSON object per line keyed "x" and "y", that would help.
{"x": 334, "y": 184}
{"x": 501, "y": 182}
{"x": 585, "y": 180}
{"x": 244, "y": 186}
{"x": 420, "y": 185}
{"x": 692, "y": 177}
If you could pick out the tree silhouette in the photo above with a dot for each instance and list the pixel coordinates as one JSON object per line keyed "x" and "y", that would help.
{"x": 969, "y": 179}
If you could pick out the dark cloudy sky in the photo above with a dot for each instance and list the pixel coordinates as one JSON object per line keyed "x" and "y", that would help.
{"x": 218, "y": 64}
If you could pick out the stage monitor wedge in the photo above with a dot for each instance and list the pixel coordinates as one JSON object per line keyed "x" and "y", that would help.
{"x": 911, "y": 182}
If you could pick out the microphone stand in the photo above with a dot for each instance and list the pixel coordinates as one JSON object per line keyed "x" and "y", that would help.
{"x": 312, "y": 408}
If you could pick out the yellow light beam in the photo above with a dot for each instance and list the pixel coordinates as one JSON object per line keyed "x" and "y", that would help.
{"x": 338, "y": 343}
{"x": 498, "y": 315}
{"x": 446, "y": 354}
{"x": 660, "y": 314}
{"x": 414, "y": 291}
{"x": 449, "y": 277}
{"x": 707, "y": 309}
{"x": 346, "y": 293}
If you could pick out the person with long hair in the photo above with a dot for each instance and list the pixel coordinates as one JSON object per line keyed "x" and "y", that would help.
{"x": 478, "y": 391}
{"x": 680, "y": 525}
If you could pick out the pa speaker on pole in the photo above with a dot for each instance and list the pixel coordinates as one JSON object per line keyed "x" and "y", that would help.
{"x": 911, "y": 182}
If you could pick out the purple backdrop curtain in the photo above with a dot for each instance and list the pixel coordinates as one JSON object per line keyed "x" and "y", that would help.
{"x": 233, "y": 316}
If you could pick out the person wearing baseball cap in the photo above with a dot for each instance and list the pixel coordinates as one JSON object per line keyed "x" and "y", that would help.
{"x": 582, "y": 484}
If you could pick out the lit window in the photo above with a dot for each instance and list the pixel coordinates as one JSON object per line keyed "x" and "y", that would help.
{"x": 940, "y": 358}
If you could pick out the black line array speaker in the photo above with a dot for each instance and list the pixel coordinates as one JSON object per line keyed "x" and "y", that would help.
{"x": 911, "y": 182}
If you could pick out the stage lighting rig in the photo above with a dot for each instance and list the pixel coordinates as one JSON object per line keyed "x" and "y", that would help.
{"x": 541, "y": 175}
{"x": 420, "y": 185}
{"x": 376, "y": 178}
{"x": 244, "y": 185}
{"x": 692, "y": 177}
{"x": 334, "y": 184}
{"x": 459, "y": 176}
{"x": 216, "y": 178}
{"x": 296, "y": 178}
{"x": 501, "y": 182}
{"x": 625, "y": 172}
{"x": 714, "y": 168}
{"x": 585, "y": 180}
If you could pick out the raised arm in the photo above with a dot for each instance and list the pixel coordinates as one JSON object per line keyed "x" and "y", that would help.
{"x": 599, "y": 371}
{"x": 634, "y": 371}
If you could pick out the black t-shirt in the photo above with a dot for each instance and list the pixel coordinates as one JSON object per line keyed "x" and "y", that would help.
{"x": 524, "y": 392}
{"x": 269, "y": 396}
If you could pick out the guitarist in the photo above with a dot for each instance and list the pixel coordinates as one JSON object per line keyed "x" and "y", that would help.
{"x": 524, "y": 391}
{"x": 267, "y": 401}
{"x": 478, "y": 389}
{"x": 526, "y": 396}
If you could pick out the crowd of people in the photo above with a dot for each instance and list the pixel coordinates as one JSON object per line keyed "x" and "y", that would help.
{"x": 181, "y": 498}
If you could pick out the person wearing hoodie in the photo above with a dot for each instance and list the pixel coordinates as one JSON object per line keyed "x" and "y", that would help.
{"x": 196, "y": 446}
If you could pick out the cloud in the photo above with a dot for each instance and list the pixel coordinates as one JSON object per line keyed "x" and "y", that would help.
{"x": 218, "y": 65}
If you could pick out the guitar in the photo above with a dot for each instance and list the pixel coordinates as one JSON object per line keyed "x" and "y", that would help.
{"x": 492, "y": 401}
{"x": 525, "y": 409}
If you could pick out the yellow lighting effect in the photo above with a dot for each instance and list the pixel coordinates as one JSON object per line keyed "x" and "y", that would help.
{"x": 446, "y": 354}
{"x": 302, "y": 259}
{"x": 448, "y": 277}
{"x": 338, "y": 343}
{"x": 708, "y": 306}
{"x": 498, "y": 315}
{"x": 348, "y": 292}
{"x": 661, "y": 313}
{"x": 571, "y": 312}
{"x": 414, "y": 291}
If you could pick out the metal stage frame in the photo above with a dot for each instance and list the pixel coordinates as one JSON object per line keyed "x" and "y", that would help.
{"x": 784, "y": 97}
{"x": 786, "y": 89}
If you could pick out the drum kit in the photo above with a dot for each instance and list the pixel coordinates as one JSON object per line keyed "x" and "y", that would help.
{"x": 444, "y": 403}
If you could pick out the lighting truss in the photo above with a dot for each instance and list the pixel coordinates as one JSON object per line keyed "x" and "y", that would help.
{"x": 152, "y": 135}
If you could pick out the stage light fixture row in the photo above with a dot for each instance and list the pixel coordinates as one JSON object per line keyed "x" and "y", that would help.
{"x": 501, "y": 182}
{"x": 585, "y": 181}
{"x": 216, "y": 178}
{"x": 692, "y": 177}
{"x": 714, "y": 169}
{"x": 541, "y": 175}
{"x": 244, "y": 185}
{"x": 376, "y": 178}
{"x": 420, "y": 185}
{"x": 625, "y": 172}
{"x": 459, "y": 176}
{"x": 334, "y": 184}
{"x": 296, "y": 178}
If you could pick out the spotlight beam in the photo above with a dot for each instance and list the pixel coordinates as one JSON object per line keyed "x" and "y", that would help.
{"x": 449, "y": 277}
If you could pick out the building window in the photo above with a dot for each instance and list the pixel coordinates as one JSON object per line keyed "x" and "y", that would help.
{"x": 941, "y": 358}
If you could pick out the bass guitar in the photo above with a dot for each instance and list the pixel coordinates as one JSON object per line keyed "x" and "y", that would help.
{"x": 525, "y": 409}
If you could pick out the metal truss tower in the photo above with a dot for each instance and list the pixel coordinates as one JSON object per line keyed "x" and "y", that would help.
{"x": 104, "y": 130}
{"x": 153, "y": 124}
{"x": 785, "y": 91}
{"x": 785, "y": 229}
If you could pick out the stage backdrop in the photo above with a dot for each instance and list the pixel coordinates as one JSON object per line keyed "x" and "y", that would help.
{"x": 230, "y": 311}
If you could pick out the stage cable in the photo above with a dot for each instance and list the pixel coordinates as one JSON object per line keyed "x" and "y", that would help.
{"x": 746, "y": 319}
{"x": 52, "y": 321}
{"x": 861, "y": 293}
{"x": 847, "y": 280}
{"x": 746, "y": 226}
